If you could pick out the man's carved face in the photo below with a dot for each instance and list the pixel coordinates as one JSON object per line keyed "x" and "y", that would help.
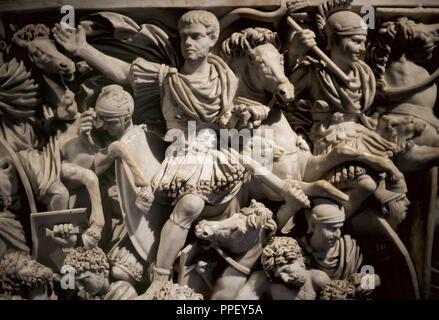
{"x": 67, "y": 109}
{"x": 114, "y": 126}
{"x": 353, "y": 47}
{"x": 292, "y": 273}
{"x": 195, "y": 41}
{"x": 90, "y": 282}
{"x": 329, "y": 233}
{"x": 30, "y": 273}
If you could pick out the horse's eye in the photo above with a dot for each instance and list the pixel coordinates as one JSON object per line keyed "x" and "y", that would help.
{"x": 262, "y": 65}
{"x": 47, "y": 57}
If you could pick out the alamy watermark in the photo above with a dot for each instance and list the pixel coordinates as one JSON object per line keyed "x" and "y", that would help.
{"x": 68, "y": 20}
{"x": 198, "y": 145}
{"x": 68, "y": 280}
{"x": 368, "y": 21}
{"x": 368, "y": 280}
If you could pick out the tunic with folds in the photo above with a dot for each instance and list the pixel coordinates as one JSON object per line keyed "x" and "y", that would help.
{"x": 199, "y": 166}
{"x": 341, "y": 261}
{"x": 338, "y": 110}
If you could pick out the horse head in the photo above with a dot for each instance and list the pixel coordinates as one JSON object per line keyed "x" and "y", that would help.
{"x": 42, "y": 51}
{"x": 240, "y": 232}
{"x": 405, "y": 89}
{"x": 254, "y": 55}
{"x": 399, "y": 128}
{"x": 418, "y": 39}
{"x": 400, "y": 46}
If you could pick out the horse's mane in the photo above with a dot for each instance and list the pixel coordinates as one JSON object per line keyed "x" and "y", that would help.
{"x": 31, "y": 32}
{"x": 235, "y": 45}
{"x": 23, "y": 37}
{"x": 19, "y": 51}
{"x": 257, "y": 212}
{"x": 389, "y": 34}
{"x": 19, "y": 93}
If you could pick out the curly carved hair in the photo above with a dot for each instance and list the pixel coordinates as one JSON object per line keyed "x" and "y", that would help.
{"x": 279, "y": 251}
{"x": 93, "y": 260}
{"x": 258, "y": 214}
{"x": 338, "y": 290}
{"x": 173, "y": 291}
{"x": 206, "y": 18}
{"x": 235, "y": 45}
{"x": 31, "y": 32}
{"x": 11, "y": 282}
{"x": 389, "y": 34}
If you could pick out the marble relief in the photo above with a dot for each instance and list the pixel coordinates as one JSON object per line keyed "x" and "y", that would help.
{"x": 280, "y": 152}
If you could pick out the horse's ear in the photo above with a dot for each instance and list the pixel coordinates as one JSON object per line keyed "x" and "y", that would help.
{"x": 247, "y": 47}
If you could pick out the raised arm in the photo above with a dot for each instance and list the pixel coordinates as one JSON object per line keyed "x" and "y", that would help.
{"x": 74, "y": 41}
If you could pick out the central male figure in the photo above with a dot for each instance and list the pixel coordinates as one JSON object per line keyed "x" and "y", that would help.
{"x": 202, "y": 92}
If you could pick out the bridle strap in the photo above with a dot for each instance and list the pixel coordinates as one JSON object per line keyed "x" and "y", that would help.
{"x": 230, "y": 260}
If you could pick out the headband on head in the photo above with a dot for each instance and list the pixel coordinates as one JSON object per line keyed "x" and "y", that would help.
{"x": 113, "y": 101}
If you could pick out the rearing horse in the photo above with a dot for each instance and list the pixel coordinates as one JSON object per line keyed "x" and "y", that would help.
{"x": 254, "y": 56}
{"x": 406, "y": 90}
{"x": 407, "y": 96}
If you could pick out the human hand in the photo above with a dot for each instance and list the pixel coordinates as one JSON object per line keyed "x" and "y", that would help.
{"x": 259, "y": 113}
{"x": 301, "y": 41}
{"x": 145, "y": 198}
{"x": 86, "y": 123}
{"x": 91, "y": 236}
{"x": 71, "y": 39}
{"x": 393, "y": 173}
{"x": 64, "y": 235}
{"x": 295, "y": 197}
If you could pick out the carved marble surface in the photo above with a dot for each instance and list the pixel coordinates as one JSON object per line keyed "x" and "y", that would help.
{"x": 259, "y": 150}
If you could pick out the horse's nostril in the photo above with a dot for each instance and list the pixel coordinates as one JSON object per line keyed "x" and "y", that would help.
{"x": 62, "y": 65}
{"x": 205, "y": 233}
{"x": 283, "y": 92}
{"x": 4, "y": 164}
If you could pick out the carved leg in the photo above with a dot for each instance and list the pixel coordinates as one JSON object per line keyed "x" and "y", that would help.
{"x": 56, "y": 197}
{"x": 417, "y": 158}
{"x": 74, "y": 173}
{"x": 365, "y": 186}
{"x": 172, "y": 239}
{"x": 317, "y": 166}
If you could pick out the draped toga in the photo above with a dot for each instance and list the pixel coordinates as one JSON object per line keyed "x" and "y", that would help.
{"x": 341, "y": 262}
{"x": 338, "y": 113}
{"x": 338, "y": 110}
{"x": 199, "y": 166}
